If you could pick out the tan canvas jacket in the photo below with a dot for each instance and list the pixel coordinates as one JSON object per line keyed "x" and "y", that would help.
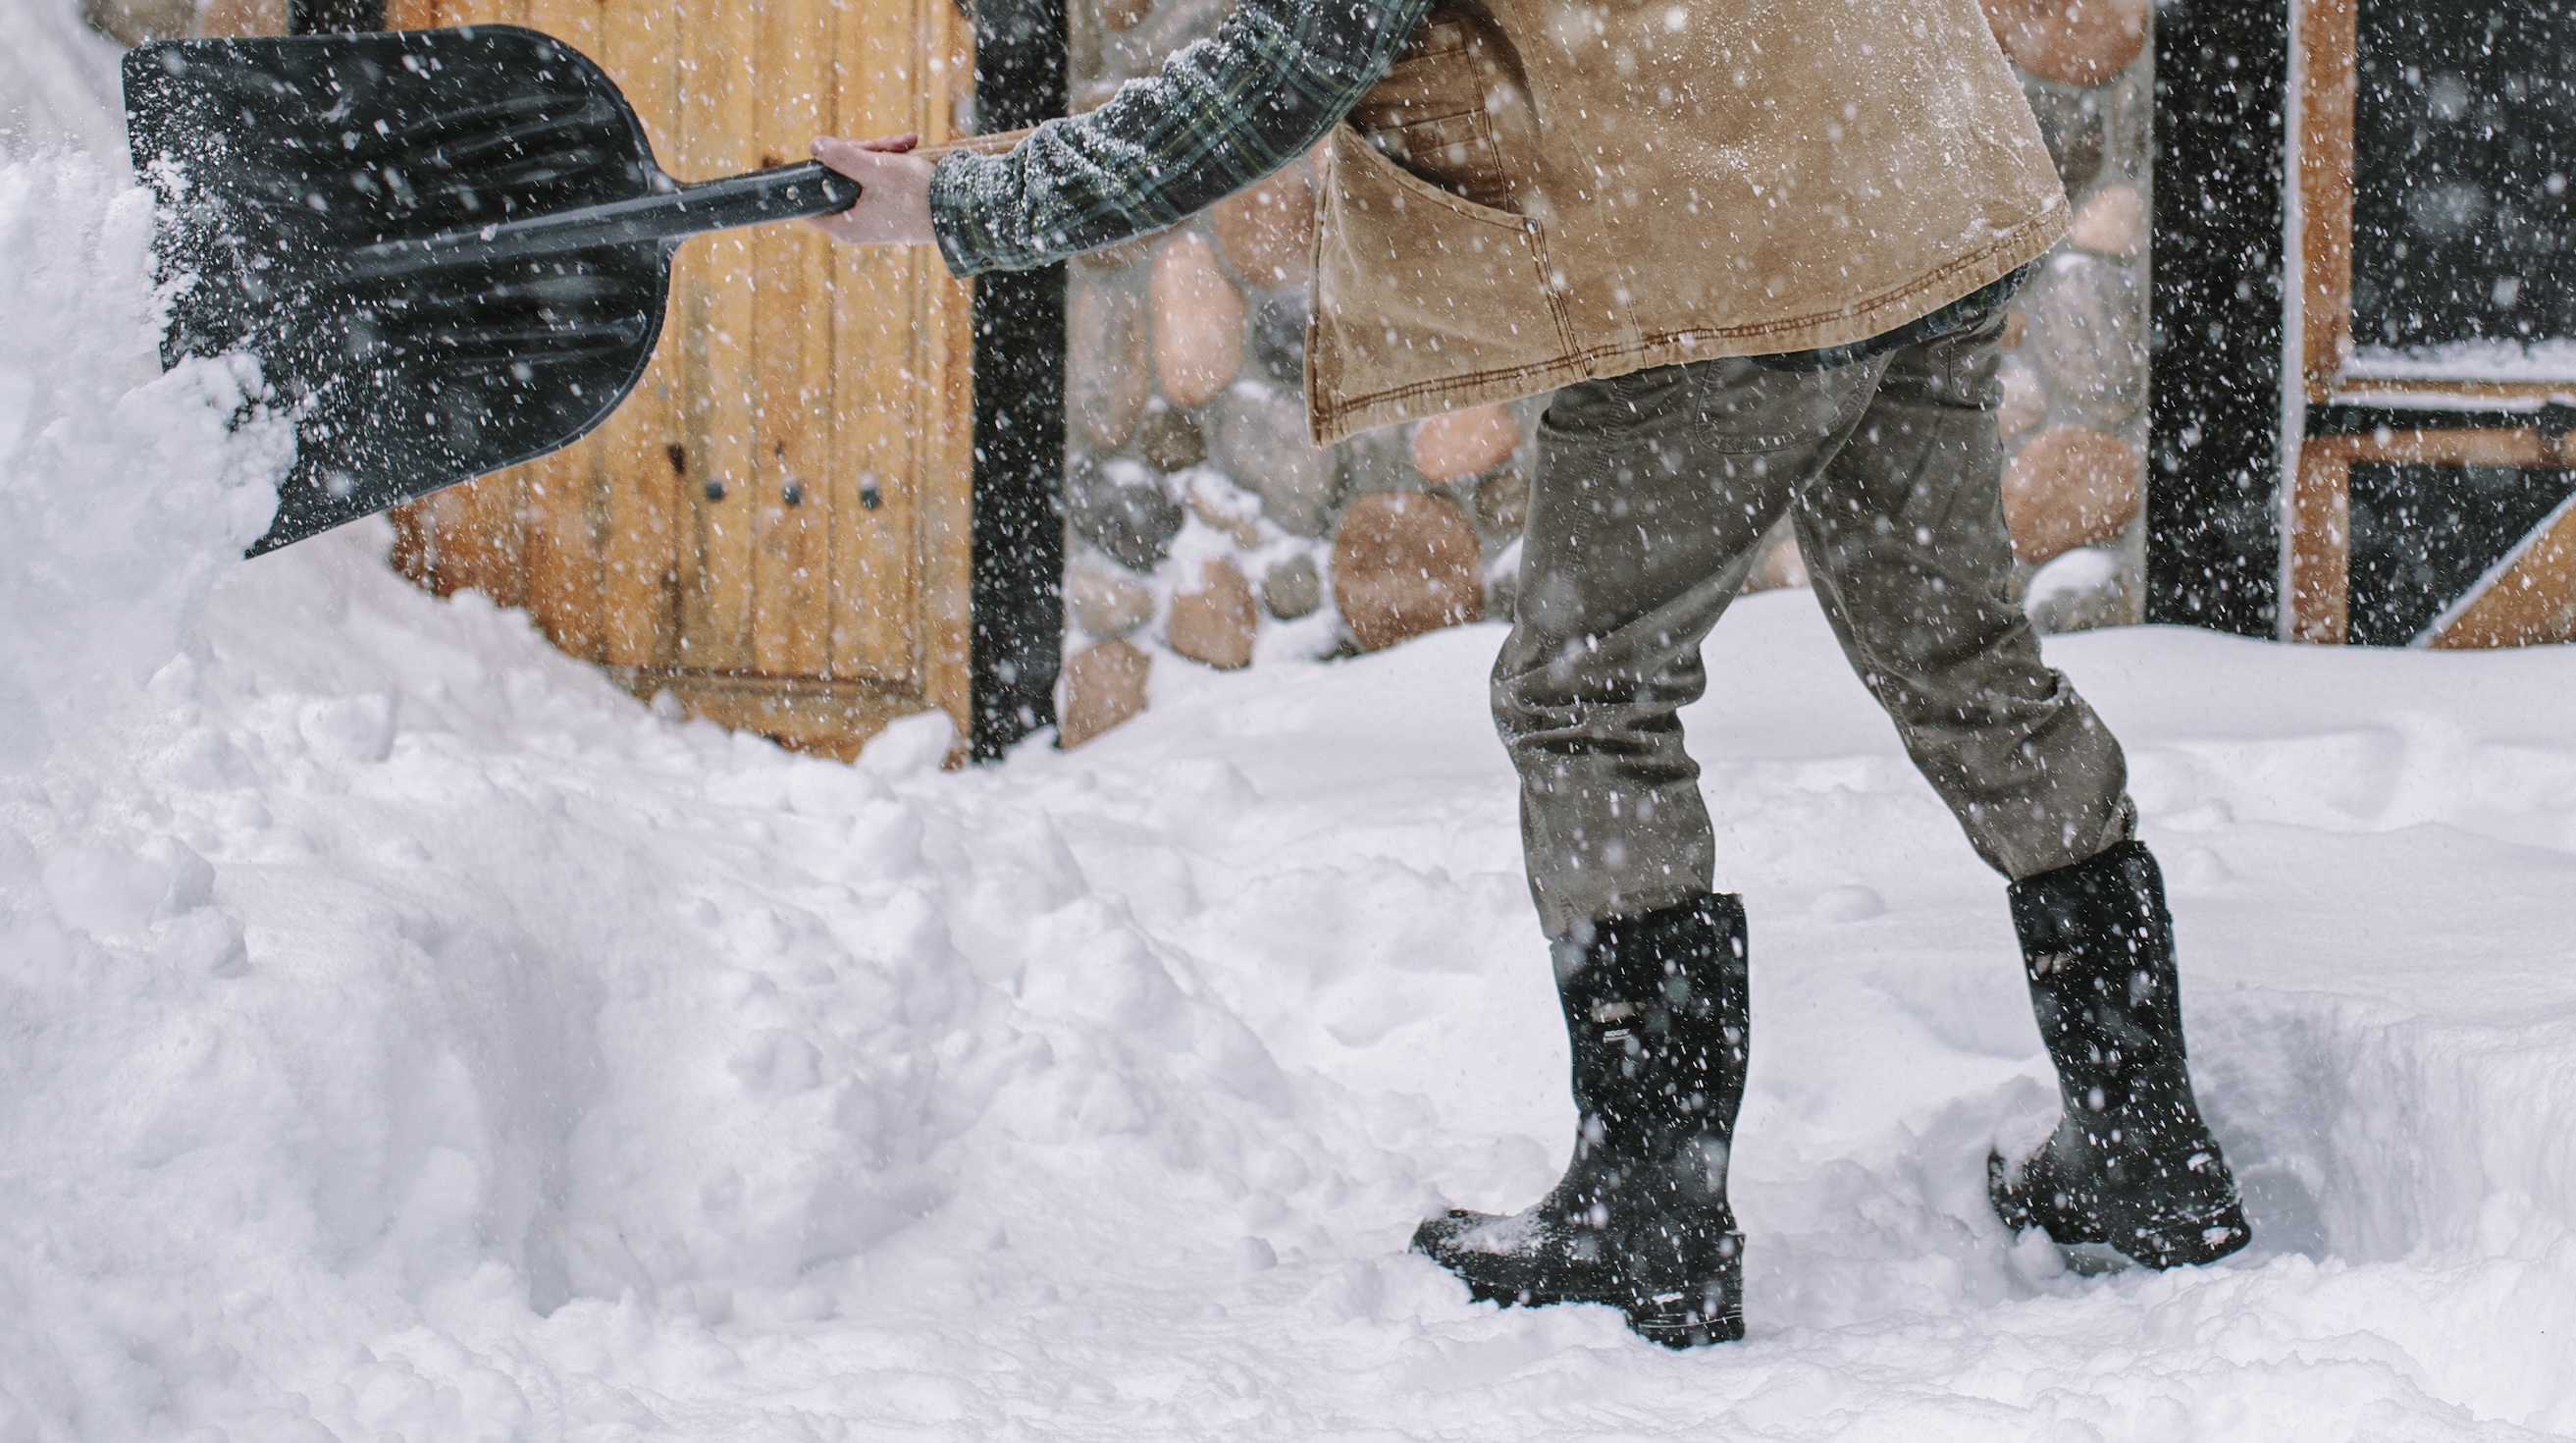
{"x": 1562, "y": 191}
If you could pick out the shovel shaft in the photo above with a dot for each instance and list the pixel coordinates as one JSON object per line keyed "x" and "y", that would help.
{"x": 674, "y": 214}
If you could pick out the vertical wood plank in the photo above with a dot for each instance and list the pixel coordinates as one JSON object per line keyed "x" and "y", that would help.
{"x": 482, "y": 548}
{"x": 2329, "y": 39}
{"x": 486, "y": 549}
{"x": 2320, "y": 579}
{"x": 639, "y": 47}
{"x": 692, "y": 269}
{"x": 692, "y": 277}
{"x": 415, "y": 548}
{"x": 887, "y": 399}
{"x": 562, "y": 547}
{"x": 947, "y": 475}
{"x": 946, "y": 467}
{"x": 427, "y": 534}
{"x": 718, "y": 93}
{"x": 559, "y": 549}
{"x": 416, "y": 14}
{"x": 792, "y": 357}
{"x": 465, "y": 536}
{"x": 640, "y": 503}
{"x": 642, "y": 453}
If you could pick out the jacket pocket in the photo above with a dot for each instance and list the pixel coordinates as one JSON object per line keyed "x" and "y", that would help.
{"x": 1422, "y": 296}
{"x": 1453, "y": 110}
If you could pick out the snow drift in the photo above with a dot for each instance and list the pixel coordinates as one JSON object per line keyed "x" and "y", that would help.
{"x": 120, "y": 489}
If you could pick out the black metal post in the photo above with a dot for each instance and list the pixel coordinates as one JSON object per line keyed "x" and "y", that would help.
{"x": 2213, "y": 542}
{"x": 1020, "y": 80}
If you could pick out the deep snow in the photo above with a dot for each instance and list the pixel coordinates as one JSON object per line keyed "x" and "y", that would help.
{"x": 405, "y": 1034}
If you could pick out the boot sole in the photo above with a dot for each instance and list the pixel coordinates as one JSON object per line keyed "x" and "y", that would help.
{"x": 1666, "y": 1318}
{"x": 2191, "y": 1247}
{"x": 2184, "y": 1243}
{"x": 1668, "y": 1321}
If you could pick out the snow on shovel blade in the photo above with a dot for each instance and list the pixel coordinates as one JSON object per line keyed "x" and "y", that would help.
{"x": 449, "y": 249}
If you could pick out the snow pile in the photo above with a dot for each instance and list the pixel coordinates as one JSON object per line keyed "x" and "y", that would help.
{"x": 539, "y": 1066}
{"x": 120, "y": 498}
{"x": 375, "y": 990}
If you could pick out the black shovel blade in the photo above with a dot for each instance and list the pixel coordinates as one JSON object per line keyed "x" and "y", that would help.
{"x": 277, "y": 160}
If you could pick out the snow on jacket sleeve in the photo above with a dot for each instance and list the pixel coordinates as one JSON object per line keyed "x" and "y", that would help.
{"x": 1221, "y": 114}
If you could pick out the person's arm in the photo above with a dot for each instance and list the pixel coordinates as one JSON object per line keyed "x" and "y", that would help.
{"x": 1222, "y": 114}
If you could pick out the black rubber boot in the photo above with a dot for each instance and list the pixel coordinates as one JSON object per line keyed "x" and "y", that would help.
{"x": 2132, "y": 1167}
{"x": 1656, "y": 1008}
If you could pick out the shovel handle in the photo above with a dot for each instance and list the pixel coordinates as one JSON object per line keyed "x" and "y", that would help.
{"x": 671, "y": 215}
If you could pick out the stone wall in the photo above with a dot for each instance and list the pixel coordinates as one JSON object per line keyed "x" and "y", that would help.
{"x": 1203, "y": 524}
{"x": 2074, "y": 414}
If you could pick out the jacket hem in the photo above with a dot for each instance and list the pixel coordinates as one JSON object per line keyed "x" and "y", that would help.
{"x": 1332, "y": 418}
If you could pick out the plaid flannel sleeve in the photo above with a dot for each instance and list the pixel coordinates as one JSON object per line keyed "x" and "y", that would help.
{"x": 1221, "y": 114}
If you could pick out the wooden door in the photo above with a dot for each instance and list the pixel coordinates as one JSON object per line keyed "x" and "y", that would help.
{"x": 774, "y": 527}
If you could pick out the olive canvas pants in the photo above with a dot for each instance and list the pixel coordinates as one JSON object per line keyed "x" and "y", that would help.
{"x": 1653, "y": 492}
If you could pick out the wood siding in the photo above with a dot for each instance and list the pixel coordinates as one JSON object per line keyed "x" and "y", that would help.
{"x": 775, "y": 526}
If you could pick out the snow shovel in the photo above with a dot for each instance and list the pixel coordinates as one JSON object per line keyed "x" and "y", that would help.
{"x": 449, "y": 249}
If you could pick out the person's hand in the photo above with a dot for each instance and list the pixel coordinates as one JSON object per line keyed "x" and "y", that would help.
{"x": 894, "y": 191}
